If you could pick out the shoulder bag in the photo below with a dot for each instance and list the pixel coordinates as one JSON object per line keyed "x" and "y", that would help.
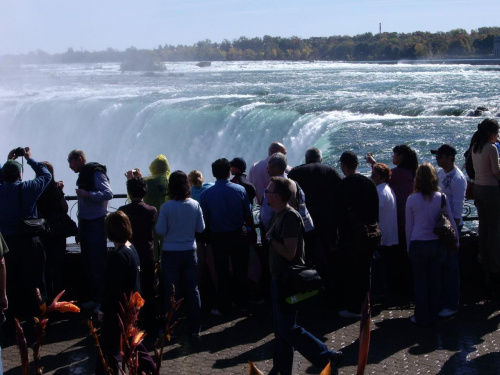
{"x": 298, "y": 284}
{"x": 444, "y": 229}
{"x": 30, "y": 226}
{"x": 61, "y": 225}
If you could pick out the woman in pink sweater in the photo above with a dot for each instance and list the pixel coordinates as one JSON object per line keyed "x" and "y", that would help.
{"x": 427, "y": 253}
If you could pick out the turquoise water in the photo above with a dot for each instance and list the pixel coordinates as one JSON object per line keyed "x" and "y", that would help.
{"x": 196, "y": 115}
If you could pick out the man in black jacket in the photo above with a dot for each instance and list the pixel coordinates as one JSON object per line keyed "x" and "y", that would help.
{"x": 238, "y": 168}
{"x": 318, "y": 181}
{"x": 356, "y": 211}
{"x": 93, "y": 194}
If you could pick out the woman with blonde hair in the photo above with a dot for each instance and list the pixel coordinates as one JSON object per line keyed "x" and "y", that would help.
{"x": 427, "y": 253}
{"x": 197, "y": 185}
{"x": 203, "y": 246}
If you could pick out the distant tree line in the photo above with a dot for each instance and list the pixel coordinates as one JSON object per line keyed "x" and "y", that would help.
{"x": 457, "y": 43}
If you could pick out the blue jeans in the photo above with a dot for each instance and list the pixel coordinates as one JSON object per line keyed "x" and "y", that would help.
{"x": 451, "y": 281}
{"x": 94, "y": 246}
{"x": 289, "y": 336}
{"x": 177, "y": 266}
{"x": 231, "y": 247}
{"x": 427, "y": 258}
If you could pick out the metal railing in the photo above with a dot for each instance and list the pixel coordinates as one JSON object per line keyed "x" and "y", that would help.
{"x": 70, "y": 240}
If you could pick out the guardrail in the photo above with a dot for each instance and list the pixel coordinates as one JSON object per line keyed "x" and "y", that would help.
{"x": 469, "y": 212}
{"x": 74, "y": 197}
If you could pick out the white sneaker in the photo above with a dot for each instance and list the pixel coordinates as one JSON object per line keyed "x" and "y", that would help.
{"x": 445, "y": 313}
{"x": 348, "y": 314}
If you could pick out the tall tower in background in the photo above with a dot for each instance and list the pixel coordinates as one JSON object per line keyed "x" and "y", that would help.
{"x": 380, "y": 28}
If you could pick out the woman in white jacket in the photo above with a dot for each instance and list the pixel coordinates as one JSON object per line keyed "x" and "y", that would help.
{"x": 427, "y": 253}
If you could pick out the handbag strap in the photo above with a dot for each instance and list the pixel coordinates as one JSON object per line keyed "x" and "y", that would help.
{"x": 297, "y": 256}
{"x": 298, "y": 196}
{"x": 443, "y": 202}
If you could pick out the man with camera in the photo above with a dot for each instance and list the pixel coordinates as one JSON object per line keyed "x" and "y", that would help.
{"x": 25, "y": 259}
{"x": 94, "y": 194}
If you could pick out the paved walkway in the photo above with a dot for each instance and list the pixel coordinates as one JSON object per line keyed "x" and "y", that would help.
{"x": 468, "y": 343}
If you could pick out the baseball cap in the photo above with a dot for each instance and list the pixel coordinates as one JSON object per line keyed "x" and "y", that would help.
{"x": 11, "y": 169}
{"x": 238, "y": 163}
{"x": 444, "y": 150}
{"x": 349, "y": 158}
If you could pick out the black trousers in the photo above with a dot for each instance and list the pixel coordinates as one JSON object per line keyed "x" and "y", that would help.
{"x": 25, "y": 263}
{"x": 231, "y": 247}
{"x": 355, "y": 262}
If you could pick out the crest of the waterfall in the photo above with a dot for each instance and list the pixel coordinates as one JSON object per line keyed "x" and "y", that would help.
{"x": 195, "y": 116}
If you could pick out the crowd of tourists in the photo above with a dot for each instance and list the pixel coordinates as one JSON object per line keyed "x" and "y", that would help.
{"x": 364, "y": 235}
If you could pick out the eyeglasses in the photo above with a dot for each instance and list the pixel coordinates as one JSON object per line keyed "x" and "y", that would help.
{"x": 267, "y": 191}
{"x": 72, "y": 158}
{"x": 439, "y": 156}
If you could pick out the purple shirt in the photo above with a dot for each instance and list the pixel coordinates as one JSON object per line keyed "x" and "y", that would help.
{"x": 401, "y": 183}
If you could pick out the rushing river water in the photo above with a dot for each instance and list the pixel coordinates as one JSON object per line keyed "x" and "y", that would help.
{"x": 196, "y": 115}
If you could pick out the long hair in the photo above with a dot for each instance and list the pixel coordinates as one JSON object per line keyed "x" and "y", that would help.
{"x": 51, "y": 170}
{"x": 426, "y": 181}
{"x": 485, "y": 130}
{"x": 178, "y": 186}
{"x": 409, "y": 158}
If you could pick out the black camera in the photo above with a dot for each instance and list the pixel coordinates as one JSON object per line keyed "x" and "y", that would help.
{"x": 20, "y": 151}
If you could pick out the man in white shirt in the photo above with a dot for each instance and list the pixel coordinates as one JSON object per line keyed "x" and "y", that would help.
{"x": 453, "y": 183}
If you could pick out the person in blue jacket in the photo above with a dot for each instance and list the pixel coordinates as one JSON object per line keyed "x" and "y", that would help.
{"x": 25, "y": 261}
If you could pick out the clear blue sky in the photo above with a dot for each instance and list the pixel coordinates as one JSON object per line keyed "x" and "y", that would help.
{"x": 56, "y": 25}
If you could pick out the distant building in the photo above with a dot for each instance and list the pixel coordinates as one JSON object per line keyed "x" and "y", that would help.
{"x": 496, "y": 45}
